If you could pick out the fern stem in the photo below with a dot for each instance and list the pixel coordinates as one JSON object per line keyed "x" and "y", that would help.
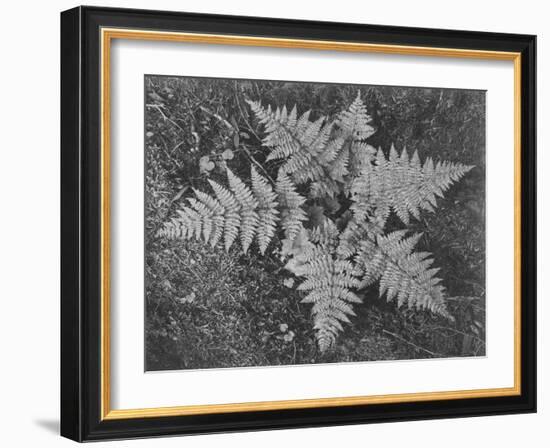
{"x": 158, "y": 107}
{"x": 258, "y": 164}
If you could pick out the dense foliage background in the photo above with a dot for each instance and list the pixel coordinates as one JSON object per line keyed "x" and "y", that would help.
{"x": 208, "y": 308}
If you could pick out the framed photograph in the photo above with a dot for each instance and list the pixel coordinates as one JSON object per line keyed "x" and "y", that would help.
{"x": 276, "y": 224}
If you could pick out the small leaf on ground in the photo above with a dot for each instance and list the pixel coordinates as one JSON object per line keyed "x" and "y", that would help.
{"x": 189, "y": 298}
{"x": 227, "y": 154}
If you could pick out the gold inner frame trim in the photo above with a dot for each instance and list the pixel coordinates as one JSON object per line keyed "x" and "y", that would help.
{"x": 107, "y": 35}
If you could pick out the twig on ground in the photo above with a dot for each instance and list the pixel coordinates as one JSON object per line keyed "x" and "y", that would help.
{"x": 190, "y": 269}
{"x": 175, "y": 162}
{"x": 411, "y": 343}
{"x": 457, "y": 332}
{"x": 176, "y": 147}
{"x": 164, "y": 116}
{"x": 217, "y": 116}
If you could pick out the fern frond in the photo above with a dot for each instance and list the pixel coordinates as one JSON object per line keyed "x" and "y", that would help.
{"x": 361, "y": 155}
{"x": 211, "y": 212}
{"x": 339, "y": 167}
{"x": 248, "y": 206}
{"x": 329, "y": 283}
{"x": 307, "y": 162}
{"x": 267, "y": 209}
{"x": 334, "y": 160}
{"x": 249, "y": 212}
{"x": 252, "y": 213}
{"x": 403, "y": 275}
{"x": 232, "y": 217}
{"x": 403, "y": 185}
{"x": 355, "y": 121}
{"x": 353, "y": 234}
{"x": 355, "y": 127}
{"x": 281, "y": 129}
{"x": 292, "y": 213}
{"x": 205, "y": 217}
{"x": 305, "y": 147}
{"x": 325, "y": 235}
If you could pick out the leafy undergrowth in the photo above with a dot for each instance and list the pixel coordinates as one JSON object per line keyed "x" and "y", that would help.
{"x": 224, "y": 310}
{"x": 206, "y": 308}
{"x": 221, "y": 309}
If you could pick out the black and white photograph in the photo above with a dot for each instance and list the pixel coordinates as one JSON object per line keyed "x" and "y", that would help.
{"x": 275, "y": 224}
{"x": 292, "y": 223}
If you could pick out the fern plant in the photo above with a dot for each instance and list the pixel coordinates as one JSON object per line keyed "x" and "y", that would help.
{"x": 329, "y": 208}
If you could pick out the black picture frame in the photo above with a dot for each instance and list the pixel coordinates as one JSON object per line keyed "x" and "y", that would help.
{"x": 81, "y": 224}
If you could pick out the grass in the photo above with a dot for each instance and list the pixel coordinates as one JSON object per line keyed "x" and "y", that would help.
{"x": 206, "y": 308}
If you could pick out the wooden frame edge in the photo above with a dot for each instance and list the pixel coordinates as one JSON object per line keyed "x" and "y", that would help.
{"x": 107, "y": 34}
